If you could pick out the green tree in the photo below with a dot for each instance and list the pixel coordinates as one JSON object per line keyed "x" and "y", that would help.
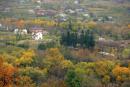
{"x": 126, "y": 53}
{"x": 74, "y": 39}
{"x": 89, "y": 40}
{"x": 87, "y": 74}
{"x": 72, "y": 79}
{"x": 82, "y": 38}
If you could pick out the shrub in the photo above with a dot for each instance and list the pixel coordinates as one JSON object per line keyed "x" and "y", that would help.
{"x": 44, "y": 46}
{"x": 10, "y": 43}
{"x": 25, "y": 46}
{"x": 41, "y": 46}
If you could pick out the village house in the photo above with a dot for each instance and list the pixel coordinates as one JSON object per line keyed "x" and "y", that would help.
{"x": 86, "y": 15}
{"x": 70, "y": 11}
{"x": 7, "y": 9}
{"x": 105, "y": 19}
{"x": 38, "y": 7}
{"x": 46, "y": 1}
{"x": 31, "y": 11}
{"x": 0, "y": 25}
{"x": 37, "y": 1}
{"x": 42, "y": 12}
{"x": 106, "y": 54}
{"x": 80, "y": 10}
{"x": 37, "y": 33}
{"x": 21, "y": 31}
{"x": 76, "y": 2}
{"x": 51, "y": 1}
{"x": 62, "y": 17}
{"x": 51, "y": 12}
{"x": 39, "y": 12}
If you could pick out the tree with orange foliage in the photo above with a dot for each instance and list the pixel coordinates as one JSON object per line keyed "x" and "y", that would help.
{"x": 7, "y": 72}
{"x": 20, "y": 23}
{"x": 121, "y": 73}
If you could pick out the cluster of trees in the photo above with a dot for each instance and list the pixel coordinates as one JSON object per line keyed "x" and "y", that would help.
{"x": 28, "y": 69}
{"x": 22, "y": 23}
{"x": 84, "y": 39}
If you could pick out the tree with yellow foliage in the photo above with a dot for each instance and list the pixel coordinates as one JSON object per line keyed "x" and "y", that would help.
{"x": 44, "y": 23}
{"x": 91, "y": 25}
{"x": 129, "y": 26}
{"x": 103, "y": 70}
{"x": 54, "y": 83}
{"x": 26, "y": 57}
{"x": 56, "y": 63}
{"x": 24, "y": 81}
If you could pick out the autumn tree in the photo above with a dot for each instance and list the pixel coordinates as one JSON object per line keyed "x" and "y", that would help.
{"x": 103, "y": 71}
{"x": 91, "y": 25}
{"x": 36, "y": 74}
{"x": 43, "y": 22}
{"x": 26, "y": 58}
{"x": 121, "y": 73}
{"x": 55, "y": 62}
{"x": 7, "y": 72}
{"x": 54, "y": 83}
{"x": 24, "y": 81}
{"x": 20, "y": 24}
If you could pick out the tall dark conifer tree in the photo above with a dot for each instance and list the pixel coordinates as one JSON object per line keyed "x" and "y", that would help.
{"x": 81, "y": 39}
{"x": 89, "y": 40}
{"x": 92, "y": 41}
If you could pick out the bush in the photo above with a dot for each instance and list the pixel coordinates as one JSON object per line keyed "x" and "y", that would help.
{"x": 25, "y": 46}
{"x": 44, "y": 46}
{"x": 72, "y": 80}
{"x": 10, "y": 43}
{"x": 41, "y": 46}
